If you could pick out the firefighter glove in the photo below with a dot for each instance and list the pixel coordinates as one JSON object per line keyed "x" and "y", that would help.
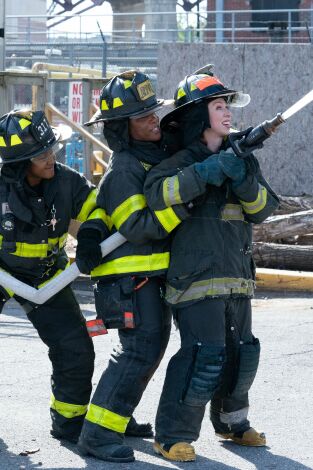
{"x": 88, "y": 253}
{"x": 211, "y": 171}
{"x": 233, "y": 167}
{"x": 239, "y": 146}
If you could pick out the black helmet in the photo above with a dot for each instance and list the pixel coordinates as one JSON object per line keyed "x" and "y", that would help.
{"x": 25, "y": 134}
{"x": 203, "y": 85}
{"x": 129, "y": 94}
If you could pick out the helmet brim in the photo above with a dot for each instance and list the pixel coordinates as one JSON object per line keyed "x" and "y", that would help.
{"x": 97, "y": 117}
{"x": 239, "y": 100}
{"x": 59, "y": 134}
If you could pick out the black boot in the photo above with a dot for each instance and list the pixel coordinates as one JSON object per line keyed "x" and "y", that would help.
{"x": 73, "y": 438}
{"x": 107, "y": 445}
{"x": 135, "y": 429}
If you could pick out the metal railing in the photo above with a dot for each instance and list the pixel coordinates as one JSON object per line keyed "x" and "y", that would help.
{"x": 285, "y": 25}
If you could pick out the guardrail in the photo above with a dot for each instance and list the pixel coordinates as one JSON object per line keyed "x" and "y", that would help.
{"x": 281, "y": 25}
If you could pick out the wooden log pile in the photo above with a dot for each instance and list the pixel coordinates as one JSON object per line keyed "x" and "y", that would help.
{"x": 285, "y": 240}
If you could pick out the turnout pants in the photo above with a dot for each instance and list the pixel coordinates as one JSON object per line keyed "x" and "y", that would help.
{"x": 214, "y": 332}
{"x": 130, "y": 368}
{"x": 61, "y": 326}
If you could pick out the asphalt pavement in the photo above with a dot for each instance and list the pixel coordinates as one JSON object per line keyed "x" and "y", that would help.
{"x": 280, "y": 399}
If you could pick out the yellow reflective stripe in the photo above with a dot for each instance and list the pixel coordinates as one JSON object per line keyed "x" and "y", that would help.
{"x": 68, "y": 410}
{"x": 102, "y": 215}
{"x": 117, "y": 102}
{"x": 210, "y": 287}
{"x": 15, "y": 140}
{"x": 180, "y": 93}
{"x": 127, "y": 84}
{"x": 88, "y": 206}
{"x": 62, "y": 240}
{"x": 36, "y": 250}
{"x": 9, "y": 291}
{"x": 104, "y": 105}
{"x": 232, "y": 212}
{"x": 127, "y": 208}
{"x": 24, "y": 123}
{"x": 59, "y": 271}
{"x": 168, "y": 219}
{"x": 171, "y": 194}
{"x": 257, "y": 205}
{"x": 107, "y": 418}
{"x": 146, "y": 166}
{"x": 131, "y": 264}
{"x": 2, "y": 142}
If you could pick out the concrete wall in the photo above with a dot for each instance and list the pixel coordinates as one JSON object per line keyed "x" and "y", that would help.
{"x": 275, "y": 75}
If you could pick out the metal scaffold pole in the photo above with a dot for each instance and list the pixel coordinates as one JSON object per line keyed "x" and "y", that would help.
{"x": 2, "y": 35}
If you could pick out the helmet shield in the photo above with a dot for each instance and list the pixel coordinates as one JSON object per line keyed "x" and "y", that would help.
{"x": 25, "y": 134}
{"x": 129, "y": 94}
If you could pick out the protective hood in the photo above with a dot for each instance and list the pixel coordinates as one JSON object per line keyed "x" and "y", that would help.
{"x": 187, "y": 126}
{"x": 117, "y": 134}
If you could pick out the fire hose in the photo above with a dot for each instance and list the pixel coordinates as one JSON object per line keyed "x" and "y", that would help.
{"x": 242, "y": 147}
{"x": 40, "y": 296}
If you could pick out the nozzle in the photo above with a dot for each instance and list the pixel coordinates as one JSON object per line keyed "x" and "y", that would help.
{"x": 271, "y": 126}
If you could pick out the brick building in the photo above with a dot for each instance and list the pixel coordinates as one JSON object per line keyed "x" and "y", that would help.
{"x": 234, "y": 25}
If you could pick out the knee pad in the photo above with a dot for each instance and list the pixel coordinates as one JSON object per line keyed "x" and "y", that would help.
{"x": 248, "y": 361}
{"x": 204, "y": 374}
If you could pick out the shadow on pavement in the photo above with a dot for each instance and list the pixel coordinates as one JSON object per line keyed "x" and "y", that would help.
{"x": 201, "y": 462}
{"x": 9, "y": 461}
{"x": 263, "y": 458}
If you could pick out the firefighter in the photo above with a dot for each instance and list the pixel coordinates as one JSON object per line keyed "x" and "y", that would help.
{"x": 38, "y": 200}
{"x": 129, "y": 281}
{"x": 211, "y": 276}
{"x": 39, "y": 197}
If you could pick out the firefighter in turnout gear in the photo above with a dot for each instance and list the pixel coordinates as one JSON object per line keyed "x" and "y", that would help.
{"x": 211, "y": 276}
{"x": 130, "y": 279}
{"x": 39, "y": 197}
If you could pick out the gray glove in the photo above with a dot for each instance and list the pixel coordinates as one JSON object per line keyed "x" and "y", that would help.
{"x": 211, "y": 171}
{"x": 233, "y": 167}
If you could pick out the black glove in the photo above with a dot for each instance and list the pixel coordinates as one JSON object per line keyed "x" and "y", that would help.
{"x": 88, "y": 252}
{"x": 237, "y": 142}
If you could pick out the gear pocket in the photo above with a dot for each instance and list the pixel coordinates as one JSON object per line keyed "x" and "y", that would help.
{"x": 115, "y": 303}
{"x": 249, "y": 355}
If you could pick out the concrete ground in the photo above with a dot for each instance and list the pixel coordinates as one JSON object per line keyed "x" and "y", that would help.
{"x": 281, "y": 396}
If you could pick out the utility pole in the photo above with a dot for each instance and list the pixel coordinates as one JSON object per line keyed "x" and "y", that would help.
{"x": 2, "y": 35}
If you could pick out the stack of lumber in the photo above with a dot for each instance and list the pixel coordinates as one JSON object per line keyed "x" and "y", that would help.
{"x": 285, "y": 240}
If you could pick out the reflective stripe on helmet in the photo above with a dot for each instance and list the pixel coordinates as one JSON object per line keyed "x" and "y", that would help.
{"x": 15, "y": 140}
{"x": 24, "y": 123}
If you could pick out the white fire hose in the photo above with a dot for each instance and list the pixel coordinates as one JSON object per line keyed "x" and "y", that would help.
{"x": 40, "y": 296}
